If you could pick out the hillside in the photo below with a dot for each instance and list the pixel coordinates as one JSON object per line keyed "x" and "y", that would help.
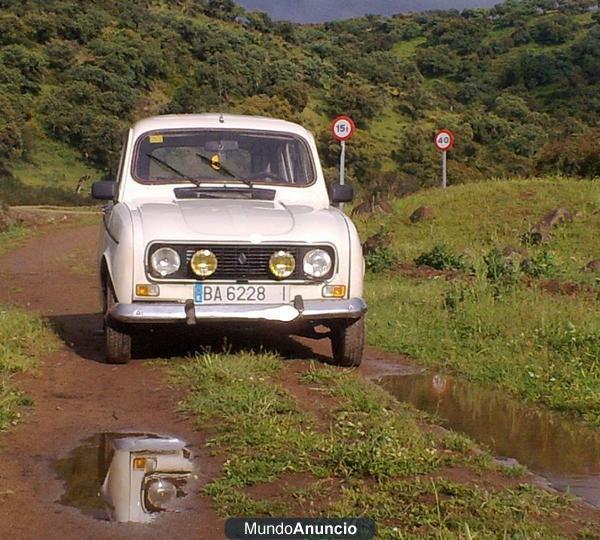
{"x": 518, "y": 84}
{"x": 497, "y": 310}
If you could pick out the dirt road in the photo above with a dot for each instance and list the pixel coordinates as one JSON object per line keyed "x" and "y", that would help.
{"x": 76, "y": 396}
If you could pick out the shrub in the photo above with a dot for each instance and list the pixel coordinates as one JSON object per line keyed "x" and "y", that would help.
{"x": 441, "y": 258}
{"x": 501, "y": 269}
{"x": 380, "y": 260}
{"x": 543, "y": 264}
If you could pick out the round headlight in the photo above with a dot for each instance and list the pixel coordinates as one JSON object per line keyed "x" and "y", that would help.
{"x": 317, "y": 263}
{"x": 204, "y": 263}
{"x": 282, "y": 264}
{"x": 160, "y": 493}
{"x": 165, "y": 261}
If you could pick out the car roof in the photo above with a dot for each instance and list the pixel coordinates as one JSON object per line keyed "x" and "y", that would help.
{"x": 217, "y": 121}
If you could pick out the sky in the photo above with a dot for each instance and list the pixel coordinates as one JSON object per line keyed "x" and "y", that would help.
{"x": 327, "y": 10}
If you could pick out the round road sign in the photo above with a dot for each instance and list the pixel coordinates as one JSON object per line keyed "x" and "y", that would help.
{"x": 343, "y": 128}
{"x": 444, "y": 140}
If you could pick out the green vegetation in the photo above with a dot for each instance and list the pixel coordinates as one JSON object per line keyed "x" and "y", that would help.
{"x": 504, "y": 323}
{"x": 369, "y": 455}
{"x": 517, "y": 83}
{"x": 12, "y": 237}
{"x": 23, "y": 338}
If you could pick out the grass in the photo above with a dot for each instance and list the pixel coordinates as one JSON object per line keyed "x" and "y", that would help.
{"x": 369, "y": 457}
{"x": 498, "y": 329}
{"x": 12, "y": 237}
{"x": 23, "y": 339}
{"x": 473, "y": 218}
{"x": 542, "y": 347}
{"x": 52, "y": 163}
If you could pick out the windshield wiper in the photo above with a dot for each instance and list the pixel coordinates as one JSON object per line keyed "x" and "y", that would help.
{"x": 173, "y": 169}
{"x": 227, "y": 171}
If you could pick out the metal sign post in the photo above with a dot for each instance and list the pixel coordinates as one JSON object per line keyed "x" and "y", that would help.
{"x": 444, "y": 169}
{"x": 343, "y": 128}
{"x": 444, "y": 141}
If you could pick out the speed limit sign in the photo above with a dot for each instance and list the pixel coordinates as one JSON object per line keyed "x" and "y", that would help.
{"x": 444, "y": 140}
{"x": 343, "y": 128}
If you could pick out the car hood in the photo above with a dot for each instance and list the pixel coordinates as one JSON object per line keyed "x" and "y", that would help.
{"x": 236, "y": 220}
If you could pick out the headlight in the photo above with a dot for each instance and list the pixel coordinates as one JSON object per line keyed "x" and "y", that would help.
{"x": 204, "y": 263}
{"x": 160, "y": 493}
{"x": 317, "y": 263}
{"x": 282, "y": 264}
{"x": 165, "y": 261}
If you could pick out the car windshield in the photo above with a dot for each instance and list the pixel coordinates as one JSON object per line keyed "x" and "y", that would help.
{"x": 223, "y": 156}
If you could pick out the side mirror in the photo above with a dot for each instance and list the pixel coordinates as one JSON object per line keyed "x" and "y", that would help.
{"x": 341, "y": 193}
{"x": 104, "y": 190}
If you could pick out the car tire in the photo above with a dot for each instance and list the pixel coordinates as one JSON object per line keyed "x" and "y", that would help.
{"x": 348, "y": 343}
{"x": 118, "y": 343}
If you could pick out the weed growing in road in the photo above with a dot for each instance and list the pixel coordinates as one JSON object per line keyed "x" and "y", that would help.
{"x": 370, "y": 456}
{"x": 23, "y": 339}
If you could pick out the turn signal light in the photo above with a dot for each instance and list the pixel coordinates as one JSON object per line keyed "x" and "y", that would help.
{"x": 145, "y": 289}
{"x": 334, "y": 291}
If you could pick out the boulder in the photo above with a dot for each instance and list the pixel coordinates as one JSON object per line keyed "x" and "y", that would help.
{"x": 377, "y": 242}
{"x": 555, "y": 217}
{"x": 593, "y": 266}
{"x": 423, "y": 213}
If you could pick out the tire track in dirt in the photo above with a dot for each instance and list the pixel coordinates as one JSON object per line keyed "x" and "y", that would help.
{"x": 77, "y": 396}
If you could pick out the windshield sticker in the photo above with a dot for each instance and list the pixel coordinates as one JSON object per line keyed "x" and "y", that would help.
{"x": 156, "y": 139}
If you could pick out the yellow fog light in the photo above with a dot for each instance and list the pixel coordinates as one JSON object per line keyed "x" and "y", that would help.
{"x": 282, "y": 264}
{"x": 145, "y": 289}
{"x": 334, "y": 291}
{"x": 204, "y": 263}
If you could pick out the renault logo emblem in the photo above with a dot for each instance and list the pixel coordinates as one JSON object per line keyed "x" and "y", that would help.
{"x": 242, "y": 258}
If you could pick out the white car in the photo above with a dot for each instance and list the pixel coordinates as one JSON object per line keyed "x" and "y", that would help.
{"x": 226, "y": 221}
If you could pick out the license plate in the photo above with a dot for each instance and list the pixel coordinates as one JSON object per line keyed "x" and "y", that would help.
{"x": 238, "y": 294}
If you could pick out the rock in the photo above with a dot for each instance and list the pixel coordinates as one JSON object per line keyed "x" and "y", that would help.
{"x": 423, "y": 213}
{"x": 384, "y": 206}
{"x": 537, "y": 235}
{"x": 555, "y": 217}
{"x": 377, "y": 242}
{"x": 361, "y": 209}
{"x": 540, "y": 232}
{"x": 593, "y": 266}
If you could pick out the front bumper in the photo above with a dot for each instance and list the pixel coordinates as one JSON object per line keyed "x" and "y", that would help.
{"x": 300, "y": 311}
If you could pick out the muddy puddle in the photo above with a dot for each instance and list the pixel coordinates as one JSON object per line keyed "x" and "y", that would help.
{"x": 126, "y": 477}
{"x": 564, "y": 451}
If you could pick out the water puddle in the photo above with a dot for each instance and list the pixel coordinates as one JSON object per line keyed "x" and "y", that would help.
{"x": 565, "y": 452}
{"x": 126, "y": 476}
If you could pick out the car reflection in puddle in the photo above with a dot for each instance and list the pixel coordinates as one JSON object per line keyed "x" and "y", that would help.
{"x": 127, "y": 476}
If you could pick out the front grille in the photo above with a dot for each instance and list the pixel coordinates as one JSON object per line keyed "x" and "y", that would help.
{"x": 242, "y": 262}
{"x": 239, "y": 262}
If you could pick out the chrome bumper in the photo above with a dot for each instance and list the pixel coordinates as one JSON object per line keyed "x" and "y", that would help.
{"x": 173, "y": 312}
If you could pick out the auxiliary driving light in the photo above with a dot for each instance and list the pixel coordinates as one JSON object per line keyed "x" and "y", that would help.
{"x": 282, "y": 264}
{"x": 204, "y": 263}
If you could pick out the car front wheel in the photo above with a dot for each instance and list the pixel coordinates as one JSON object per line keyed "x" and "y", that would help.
{"x": 118, "y": 344}
{"x": 348, "y": 343}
